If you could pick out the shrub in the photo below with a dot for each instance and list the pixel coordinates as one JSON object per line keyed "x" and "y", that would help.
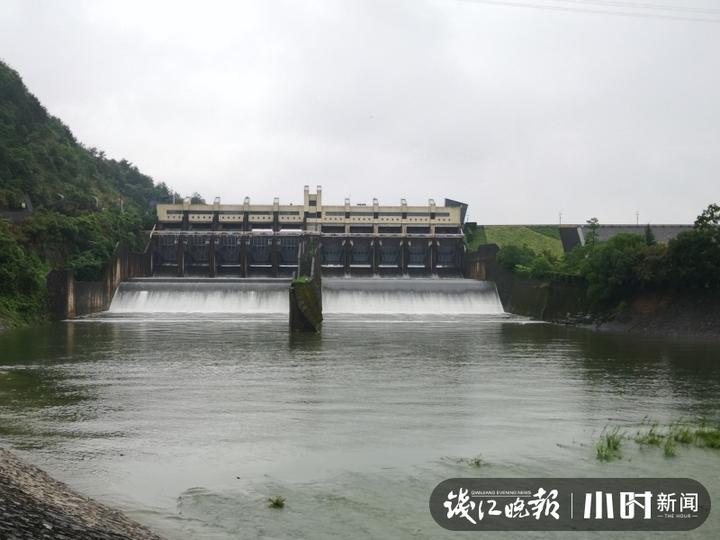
{"x": 611, "y": 268}
{"x": 511, "y": 256}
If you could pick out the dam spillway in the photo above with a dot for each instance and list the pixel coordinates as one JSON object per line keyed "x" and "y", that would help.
{"x": 210, "y": 295}
{"x": 340, "y": 296}
{"x": 410, "y": 296}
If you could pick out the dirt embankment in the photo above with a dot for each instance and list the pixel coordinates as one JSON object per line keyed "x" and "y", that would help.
{"x": 33, "y": 506}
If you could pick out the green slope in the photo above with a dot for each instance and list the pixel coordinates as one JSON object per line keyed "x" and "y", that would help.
{"x": 75, "y": 193}
{"x": 41, "y": 159}
{"x": 539, "y": 238}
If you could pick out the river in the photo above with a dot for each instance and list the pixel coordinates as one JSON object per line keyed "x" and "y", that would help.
{"x": 189, "y": 422}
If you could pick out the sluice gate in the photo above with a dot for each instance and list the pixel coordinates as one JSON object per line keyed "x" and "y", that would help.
{"x": 275, "y": 254}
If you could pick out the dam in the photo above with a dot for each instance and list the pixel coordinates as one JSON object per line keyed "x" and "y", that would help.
{"x": 263, "y": 240}
{"x": 241, "y": 259}
{"x": 245, "y": 259}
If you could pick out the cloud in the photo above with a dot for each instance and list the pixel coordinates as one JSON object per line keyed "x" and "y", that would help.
{"x": 522, "y": 113}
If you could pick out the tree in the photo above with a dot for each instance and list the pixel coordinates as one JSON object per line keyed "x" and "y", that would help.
{"x": 196, "y": 198}
{"x": 593, "y": 236}
{"x": 694, "y": 259}
{"x": 611, "y": 269}
{"x": 709, "y": 219}
{"x": 509, "y": 257}
{"x": 649, "y": 236}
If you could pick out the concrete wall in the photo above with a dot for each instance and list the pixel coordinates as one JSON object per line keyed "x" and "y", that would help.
{"x": 69, "y": 297}
{"x": 481, "y": 263}
{"x": 573, "y": 235}
{"x": 540, "y": 299}
{"x": 545, "y": 300}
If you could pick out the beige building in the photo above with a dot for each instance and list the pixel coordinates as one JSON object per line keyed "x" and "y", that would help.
{"x": 313, "y": 216}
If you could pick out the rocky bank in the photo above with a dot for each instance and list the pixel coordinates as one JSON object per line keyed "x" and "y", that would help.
{"x": 34, "y": 506}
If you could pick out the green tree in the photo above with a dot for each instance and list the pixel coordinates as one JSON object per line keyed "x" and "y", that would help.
{"x": 649, "y": 236}
{"x": 694, "y": 259}
{"x": 611, "y": 268}
{"x": 196, "y": 198}
{"x": 510, "y": 257}
{"x": 593, "y": 235}
{"x": 709, "y": 219}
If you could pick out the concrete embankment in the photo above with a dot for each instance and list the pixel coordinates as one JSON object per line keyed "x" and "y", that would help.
{"x": 679, "y": 313}
{"x": 667, "y": 313}
{"x": 686, "y": 314}
{"x": 34, "y": 506}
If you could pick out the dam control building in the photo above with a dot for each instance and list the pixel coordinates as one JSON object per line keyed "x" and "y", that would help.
{"x": 264, "y": 240}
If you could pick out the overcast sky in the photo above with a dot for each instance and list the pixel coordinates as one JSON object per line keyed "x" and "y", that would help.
{"x": 521, "y": 112}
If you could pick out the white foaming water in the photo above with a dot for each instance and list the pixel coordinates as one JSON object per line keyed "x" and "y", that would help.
{"x": 201, "y": 296}
{"x": 410, "y": 296}
{"x": 340, "y": 296}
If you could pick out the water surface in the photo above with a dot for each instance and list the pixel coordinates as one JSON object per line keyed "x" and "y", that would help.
{"x": 189, "y": 422}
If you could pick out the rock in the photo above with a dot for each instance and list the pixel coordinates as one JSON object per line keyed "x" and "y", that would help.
{"x": 34, "y": 506}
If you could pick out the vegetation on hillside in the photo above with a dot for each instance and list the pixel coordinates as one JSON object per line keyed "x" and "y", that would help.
{"x": 83, "y": 202}
{"x": 629, "y": 263}
{"x": 539, "y": 238}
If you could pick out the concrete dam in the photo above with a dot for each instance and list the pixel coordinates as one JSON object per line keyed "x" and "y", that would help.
{"x": 244, "y": 259}
{"x": 339, "y": 296}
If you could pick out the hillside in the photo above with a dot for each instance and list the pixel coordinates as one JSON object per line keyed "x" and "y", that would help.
{"x": 539, "y": 238}
{"x": 41, "y": 159}
{"x": 75, "y": 195}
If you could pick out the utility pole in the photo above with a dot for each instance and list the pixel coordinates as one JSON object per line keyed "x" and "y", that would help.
{"x": 637, "y": 217}
{"x": 560, "y": 217}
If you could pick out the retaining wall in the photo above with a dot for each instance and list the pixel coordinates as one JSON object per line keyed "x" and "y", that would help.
{"x": 69, "y": 297}
{"x": 540, "y": 299}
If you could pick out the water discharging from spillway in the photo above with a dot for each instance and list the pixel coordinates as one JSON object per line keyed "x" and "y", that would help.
{"x": 412, "y": 296}
{"x": 214, "y": 295}
{"x": 340, "y": 296}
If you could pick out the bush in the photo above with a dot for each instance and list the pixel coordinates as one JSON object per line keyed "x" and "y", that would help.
{"x": 84, "y": 243}
{"x": 541, "y": 267}
{"x": 611, "y": 267}
{"x": 694, "y": 259}
{"x": 22, "y": 279}
{"x": 511, "y": 256}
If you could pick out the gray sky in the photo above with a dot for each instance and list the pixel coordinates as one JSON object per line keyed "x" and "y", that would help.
{"x": 520, "y": 112}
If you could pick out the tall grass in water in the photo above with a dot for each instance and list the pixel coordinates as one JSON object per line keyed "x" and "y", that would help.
{"x": 651, "y": 437}
{"x": 700, "y": 435}
{"x": 276, "y": 502}
{"x": 608, "y": 447}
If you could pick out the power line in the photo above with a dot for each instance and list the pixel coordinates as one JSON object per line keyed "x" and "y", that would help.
{"x": 639, "y": 5}
{"x": 507, "y": 3}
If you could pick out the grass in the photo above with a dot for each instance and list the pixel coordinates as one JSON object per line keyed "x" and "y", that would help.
{"x": 476, "y": 238}
{"x": 539, "y": 238}
{"x": 683, "y": 434}
{"x": 608, "y": 447}
{"x": 504, "y": 235}
{"x": 276, "y": 502}
{"x": 708, "y": 437}
{"x": 551, "y": 231}
{"x": 651, "y": 437}
{"x": 669, "y": 448}
{"x": 477, "y": 461}
{"x": 668, "y": 438}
